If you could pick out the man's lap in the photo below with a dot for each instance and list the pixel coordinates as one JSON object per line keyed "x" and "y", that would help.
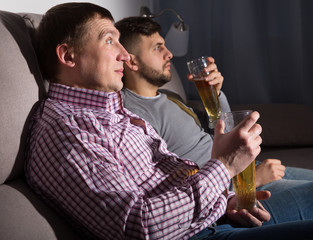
{"x": 300, "y": 230}
{"x": 291, "y": 204}
{"x": 288, "y": 209}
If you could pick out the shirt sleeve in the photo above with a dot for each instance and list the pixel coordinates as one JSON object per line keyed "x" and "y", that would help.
{"x": 193, "y": 205}
{"x": 79, "y": 170}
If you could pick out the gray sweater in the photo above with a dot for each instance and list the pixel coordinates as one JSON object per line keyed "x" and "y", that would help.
{"x": 178, "y": 128}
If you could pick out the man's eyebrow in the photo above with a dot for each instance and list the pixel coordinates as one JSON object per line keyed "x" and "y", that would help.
{"x": 158, "y": 44}
{"x": 105, "y": 32}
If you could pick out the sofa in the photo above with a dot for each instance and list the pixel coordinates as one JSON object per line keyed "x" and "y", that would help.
{"x": 23, "y": 215}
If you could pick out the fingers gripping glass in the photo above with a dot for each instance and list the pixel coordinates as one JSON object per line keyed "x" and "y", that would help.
{"x": 207, "y": 92}
{"x": 244, "y": 182}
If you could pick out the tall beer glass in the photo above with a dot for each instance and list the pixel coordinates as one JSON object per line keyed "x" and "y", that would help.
{"x": 207, "y": 92}
{"x": 244, "y": 182}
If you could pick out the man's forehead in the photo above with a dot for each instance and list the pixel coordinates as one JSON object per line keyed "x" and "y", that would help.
{"x": 103, "y": 25}
{"x": 153, "y": 39}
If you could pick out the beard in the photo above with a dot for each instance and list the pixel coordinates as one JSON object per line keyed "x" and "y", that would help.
{"x": 154, "y": 77}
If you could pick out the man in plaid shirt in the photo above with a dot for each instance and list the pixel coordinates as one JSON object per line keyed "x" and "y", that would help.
{"x": 107, "y": 169}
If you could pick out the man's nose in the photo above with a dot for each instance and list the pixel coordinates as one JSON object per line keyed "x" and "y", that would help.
{"x": 169, "y": 54}
{"x": 124, "y": 55}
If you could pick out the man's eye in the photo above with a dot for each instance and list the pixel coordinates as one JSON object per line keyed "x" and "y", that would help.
{"x": 110, "y": 41}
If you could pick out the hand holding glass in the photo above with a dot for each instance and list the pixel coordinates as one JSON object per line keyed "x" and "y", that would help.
{"x": 244, "y": 182}
{"x": 206, "y": 91}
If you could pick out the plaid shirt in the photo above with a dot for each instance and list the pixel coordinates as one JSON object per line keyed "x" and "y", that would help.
{"x": 111, "y": 173}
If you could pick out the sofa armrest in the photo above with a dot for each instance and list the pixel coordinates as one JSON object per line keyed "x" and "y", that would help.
{"x": 284, "y": 124}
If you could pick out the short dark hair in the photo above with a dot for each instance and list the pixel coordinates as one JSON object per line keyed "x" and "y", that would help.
{"x": 64, "y": 23}
{"x": 132, "y": 27}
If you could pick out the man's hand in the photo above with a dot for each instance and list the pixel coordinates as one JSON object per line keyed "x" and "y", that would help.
{"x": 253, "y": 218}
{"x": 268, "y": 171}
{"x": 214, "y": 78}
{"x": 239, "y": 147}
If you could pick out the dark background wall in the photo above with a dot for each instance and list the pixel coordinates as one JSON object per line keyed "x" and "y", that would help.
{"x": 263, "y": 48}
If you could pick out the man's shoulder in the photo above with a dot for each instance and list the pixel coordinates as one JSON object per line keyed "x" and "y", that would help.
{"x": 57, "y": 111}
{"x": 133, "y": 100}
{"x": 148, "y": 108}
{"x": 171, "y": 94}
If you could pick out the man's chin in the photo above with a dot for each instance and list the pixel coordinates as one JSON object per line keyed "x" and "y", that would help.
{"x": 167, "y": 77}
{"x": 117, "y": 87}
{"x": 162, "y": 83}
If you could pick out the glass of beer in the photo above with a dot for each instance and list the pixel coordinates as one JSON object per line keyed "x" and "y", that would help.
{"x": 207, "y": 92}
{"x": 244, "y": 182}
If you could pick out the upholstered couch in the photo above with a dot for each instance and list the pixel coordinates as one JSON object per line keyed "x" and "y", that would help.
{"x": 22, "y": 214}
{"x": 25, "y": 216}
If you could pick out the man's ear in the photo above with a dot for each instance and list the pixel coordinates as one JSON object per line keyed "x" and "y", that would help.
{"x": 132, "y": 64}
{"x": 65, "y": 54}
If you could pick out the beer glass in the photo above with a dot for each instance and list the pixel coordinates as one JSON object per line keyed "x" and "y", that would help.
{"x": 207, "y": 92}
{"x": 244, "y": 182}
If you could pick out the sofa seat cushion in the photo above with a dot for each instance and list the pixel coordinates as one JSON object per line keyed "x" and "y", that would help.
{"x": 25, "y": 216}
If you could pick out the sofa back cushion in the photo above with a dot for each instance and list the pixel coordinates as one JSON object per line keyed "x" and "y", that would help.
{"x": 175, "y": 85}
{"x": 19, "y": 80}
{"x": 284, "y": 125}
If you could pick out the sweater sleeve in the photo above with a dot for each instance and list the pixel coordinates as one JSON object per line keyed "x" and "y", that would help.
{"x": 224, "y": 103}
